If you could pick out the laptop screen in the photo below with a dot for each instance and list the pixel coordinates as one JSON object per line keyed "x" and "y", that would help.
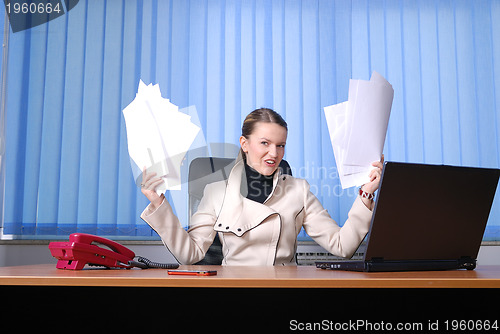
{"x": 430, "y": 212}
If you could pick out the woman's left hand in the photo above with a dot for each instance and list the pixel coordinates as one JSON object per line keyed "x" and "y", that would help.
{"x": 375, "y": 175}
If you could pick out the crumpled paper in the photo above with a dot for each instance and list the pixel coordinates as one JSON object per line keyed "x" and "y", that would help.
{"x": 158, "y": 136}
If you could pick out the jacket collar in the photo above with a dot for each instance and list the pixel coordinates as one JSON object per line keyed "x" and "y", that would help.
{"x": 239, "y": 214}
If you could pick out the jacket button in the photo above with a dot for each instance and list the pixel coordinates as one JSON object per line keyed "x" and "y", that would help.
{"x": 220, "y": 225}
{"x": 239, "y": 230}
{"x": 227, "y": 227}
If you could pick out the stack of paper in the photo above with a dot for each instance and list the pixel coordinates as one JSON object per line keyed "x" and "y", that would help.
{"x": 358, "y": 128}
{"x": 158, "y": 136}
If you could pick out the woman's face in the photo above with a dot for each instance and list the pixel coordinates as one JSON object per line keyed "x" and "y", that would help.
{"x": 265, "y": 147}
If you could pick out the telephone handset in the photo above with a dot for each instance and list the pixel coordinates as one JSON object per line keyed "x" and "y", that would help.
{"x": 82, "y": 249}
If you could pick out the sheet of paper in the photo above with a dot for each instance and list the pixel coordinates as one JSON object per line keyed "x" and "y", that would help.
{"x": 158, "y": 136}
{"x": 336, "y": 115}
{"x": 358, "y": 128}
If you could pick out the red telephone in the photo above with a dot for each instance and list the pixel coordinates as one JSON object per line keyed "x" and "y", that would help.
{"x": 84, "y": 249}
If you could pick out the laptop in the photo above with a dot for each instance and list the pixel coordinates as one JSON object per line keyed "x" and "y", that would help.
{"x": 426, "y": 217}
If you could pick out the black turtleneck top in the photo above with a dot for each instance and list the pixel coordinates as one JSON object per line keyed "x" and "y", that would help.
{"x": 259, "y": 186}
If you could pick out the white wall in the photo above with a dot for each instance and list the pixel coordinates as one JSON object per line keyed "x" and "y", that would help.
{"x": 489, "y": 255}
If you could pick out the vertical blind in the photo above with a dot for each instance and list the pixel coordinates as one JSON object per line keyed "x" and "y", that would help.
{"x": 66, "y": 160}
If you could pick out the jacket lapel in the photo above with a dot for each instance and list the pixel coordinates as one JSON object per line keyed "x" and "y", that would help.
{"x": 239, "y": 214}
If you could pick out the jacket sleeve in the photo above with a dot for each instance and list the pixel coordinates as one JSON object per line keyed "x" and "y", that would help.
{"x": 341, "y": 241}
{"x": 190, "y": 246}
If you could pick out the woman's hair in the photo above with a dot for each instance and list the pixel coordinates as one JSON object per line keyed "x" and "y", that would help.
{"x": 265, "y": 115}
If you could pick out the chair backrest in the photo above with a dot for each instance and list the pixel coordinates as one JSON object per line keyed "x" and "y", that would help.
{"x": 203, "y": 171}
{"x": 206, "y": 170}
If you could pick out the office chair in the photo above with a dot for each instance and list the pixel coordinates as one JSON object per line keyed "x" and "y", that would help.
{"x": 203, "y": 171}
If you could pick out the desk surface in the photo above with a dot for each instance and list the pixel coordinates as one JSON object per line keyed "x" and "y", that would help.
{"x": 245, "y": 277}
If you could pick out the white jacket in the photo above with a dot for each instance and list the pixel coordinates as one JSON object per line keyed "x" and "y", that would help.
{"x": 258, "y": 234}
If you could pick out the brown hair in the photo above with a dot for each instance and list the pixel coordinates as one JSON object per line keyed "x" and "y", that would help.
{"x": 265, "y": 115}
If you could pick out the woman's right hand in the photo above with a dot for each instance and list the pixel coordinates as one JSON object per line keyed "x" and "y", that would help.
{"x": 148, "y": 188}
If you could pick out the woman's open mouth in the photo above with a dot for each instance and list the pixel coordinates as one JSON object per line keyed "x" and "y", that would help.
{"x": 270, "y": 162}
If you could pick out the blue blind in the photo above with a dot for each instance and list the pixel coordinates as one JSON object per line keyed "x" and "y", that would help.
{"x": 67, "y": 165}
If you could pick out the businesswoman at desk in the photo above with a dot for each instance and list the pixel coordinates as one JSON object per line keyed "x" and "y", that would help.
{"x": 259, "y": 212}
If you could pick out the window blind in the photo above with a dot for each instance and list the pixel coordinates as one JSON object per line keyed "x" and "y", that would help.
{"x": 66, "y": 162}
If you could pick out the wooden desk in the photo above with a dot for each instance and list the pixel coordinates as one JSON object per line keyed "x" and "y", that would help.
{"x": 258, "y": 299}
{"x": 249, "y": 277}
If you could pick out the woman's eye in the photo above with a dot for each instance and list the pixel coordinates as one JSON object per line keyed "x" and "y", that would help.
{"x": 264, "y": 143}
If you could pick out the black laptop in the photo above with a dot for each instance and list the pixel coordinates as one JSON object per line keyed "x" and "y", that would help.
{"x": 426, "y": 217}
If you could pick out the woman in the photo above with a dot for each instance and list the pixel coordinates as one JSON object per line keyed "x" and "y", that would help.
{"x": 259, "y": 212}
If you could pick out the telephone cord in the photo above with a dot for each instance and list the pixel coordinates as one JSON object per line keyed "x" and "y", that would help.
{"x": 144, "y": 263}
